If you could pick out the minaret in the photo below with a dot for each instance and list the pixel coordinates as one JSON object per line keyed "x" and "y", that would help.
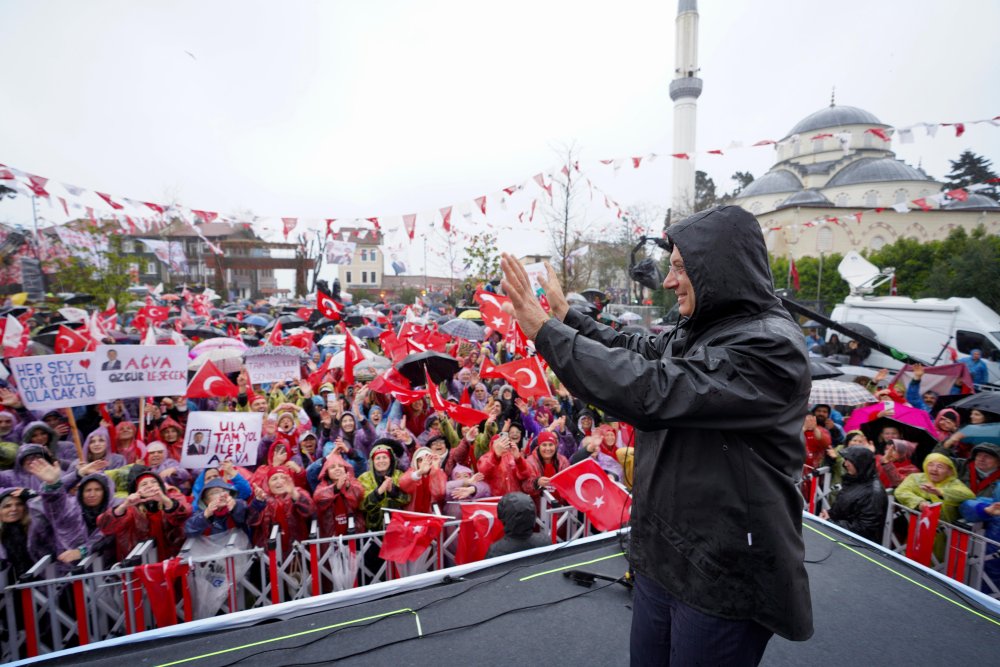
{"x": 684, "y": 91}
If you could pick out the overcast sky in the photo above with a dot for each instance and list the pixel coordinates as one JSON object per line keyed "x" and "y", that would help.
{"x": 360, "y": 109}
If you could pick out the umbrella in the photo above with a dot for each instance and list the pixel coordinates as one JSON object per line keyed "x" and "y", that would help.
{"x": 228, "y": 359}
{"x": 922, "y": 437}
{"x": 369, "y": 331}
{"x": 987, "y": 401}
{"x": 397, "y": 307}
{"x": 440, "y": 366}
{"x": 257, "y": 321}
{"x": 608, "y": 317}
{"x": 900, "y": 412}
{"x": 337, "y": 360}
{"x": 820, "y": 370}
{"x": 332, "y": 340}
{"x": 835, "y": 392}
{"x": 290, "y": 321}
{"x": 251, "y": 341}
{"x": 592, "y": 292}
{"x": 584, "y": 307}
{"x": 217, "y": 344}
{"x": 974, "y": 434}
{"x": 471, "y": 314}
{"x": 47, "y": 334}
{"x": 369, "y": 368}
{"x": 466, "y": 329}
{"x": 203, "y": 331}
{"x": 576, "y": 297}
{"x": 629, "y": 316}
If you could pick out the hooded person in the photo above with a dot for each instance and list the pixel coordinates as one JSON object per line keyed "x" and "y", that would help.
{"x": 717, "y": 406}
{"x": 504, "y": 468}
{"x": 218, "y": 510}
{"x": 280, "y": 503}
{"x": 169, "y": 469}
{"x": 97, "y": 446}
{"x": 381, "y": 483}
{"x": 586, "y": 422}
{"x": 860, "y": 506}
{"x": 938, "y": 483}
{"x": 545, "y": 461}
{"x": 464, "y": 486}
{"x": 236, "y": 477}
{"x": 18, "y": 476}
{"x": 127, "y": 442}
{"x": 516, "y": 512}
{"x": 10, "y": 426}
{"x": 480, "y": 397}
{"x": 279, "y": 454}
{"x": 338, "y": 498}
{"x": 358, "y": 439}
{"x": 171, "y": 434}
{"x": 41, "y": 433}
{"x": 425, "y": 481}
{"x": 895, "y": 465}
{"x": 95, "y": 494}
{"x": 151, "y": 511}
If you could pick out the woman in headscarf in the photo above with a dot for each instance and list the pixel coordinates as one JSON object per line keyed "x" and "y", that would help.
{"x": 279, "y": 456}
{"x": 338, "y": 498}
{"x": 480, "y": 397}
{"x": 425, "y": 481}
{"x": 938, "y": 483}
{"x": 127, "y": 442}
{"x": 356, "y": 439}
{"x": 95, "y": 494}
{"x": 280, "y": 503}
{"x": 97, "y": 447}
{"x": 545, "y": 461}
{"x": 894, "y": 466}
{"x": 381, "y": 483}
{"x": 169, "y": 469}
{"x": 152, "y": 510}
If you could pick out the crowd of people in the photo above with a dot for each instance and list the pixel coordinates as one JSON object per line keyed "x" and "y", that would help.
{"x": 340, "y": 453}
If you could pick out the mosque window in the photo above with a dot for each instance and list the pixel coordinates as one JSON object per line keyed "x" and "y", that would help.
{"x": 843, "y": 199}
{"x": 901, "y": 196}
{"x": 824, "y": 239}
{"x": 877, "y": 243}
{"x": 871, "y": 198}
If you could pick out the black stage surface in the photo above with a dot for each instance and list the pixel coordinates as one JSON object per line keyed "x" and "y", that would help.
{"x": 869, "y": 609}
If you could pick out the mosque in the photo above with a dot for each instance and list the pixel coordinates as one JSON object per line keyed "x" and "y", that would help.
{"x": 838, "y": 162}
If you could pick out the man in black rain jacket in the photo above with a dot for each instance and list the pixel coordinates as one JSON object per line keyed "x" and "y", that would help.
{"x": 717, "y": 405}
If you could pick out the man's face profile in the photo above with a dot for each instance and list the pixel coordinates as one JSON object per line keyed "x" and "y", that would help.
{"x": 677, "y": 280}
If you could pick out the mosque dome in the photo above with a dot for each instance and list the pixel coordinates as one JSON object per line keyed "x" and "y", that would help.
{"x": 773, "y": 182}
{"x": 835, "y": 116}
{"x": 873, "y": 170}
{"x": 975, "y": 200}
{"x": 807, "y": 197}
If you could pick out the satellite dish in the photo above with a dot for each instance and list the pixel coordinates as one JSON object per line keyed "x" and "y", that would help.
{"x": 862, "y": 275}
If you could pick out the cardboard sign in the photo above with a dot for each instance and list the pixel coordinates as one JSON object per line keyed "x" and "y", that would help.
{"x": 53, "y": 381}
{"x": 273, "y": 365}
{"x": 214, "y": 437}
{"x": 128, "y": 371}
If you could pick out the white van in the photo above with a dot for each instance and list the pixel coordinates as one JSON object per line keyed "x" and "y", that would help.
{"x": 923, "y": 328}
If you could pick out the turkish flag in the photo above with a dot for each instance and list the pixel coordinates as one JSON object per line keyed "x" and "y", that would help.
{"x": 480, "y": 528}
{"x": 275, "y": 338}
{"x": 459, "y": 413}
{"x": 115, "y": 205}
{"x": 15, "y": 338}
{"x": 210, "y": 382}
{"x": 352, "y": 356}
{"x": 393, "y": 348}
{"x": 446, "y": 218}
{"x": 923, "y": 530}
{"x": 491, "y": 308}
{"x": 408, "y": 534}
{"x": 305, "y": 312}
{"x": 515, "y": 340}
{"x": 327, "y": 306}
{"x": 588, "y": 488}
{"x": 158, "y": 580}
{"x": 431, "y": 340}
{"x": 793, "y": 271}
{"x": 527, "y": 376}
{"x": 317, "y": 377}
{"x": 487, "y": 369}
{"x": 288, "y": 224}
{"x": 69, "y": 340}
{"x": 156, "y": 313}
{"x": 302, "y": 340}
{"x": 383, "y": 384}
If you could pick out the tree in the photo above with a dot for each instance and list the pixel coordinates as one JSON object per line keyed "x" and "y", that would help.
{"x": 704, "y": 192}
{"x": 565, "y": 217}
{"x": 971, "y": 169}
{"x": 111, "y": 280}
{"x": 482, "y": 257}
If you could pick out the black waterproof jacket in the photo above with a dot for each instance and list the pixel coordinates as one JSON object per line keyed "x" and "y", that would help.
{"x": 718, "y": 406}
{"x": 861, "y": 504}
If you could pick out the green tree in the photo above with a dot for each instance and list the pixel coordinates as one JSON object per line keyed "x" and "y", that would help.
{"x": 831, "y": 288}
{"x": 482, "y": 257}
{"x": 967, "y": 265}
{"x": 111, "y": 280}
{"x": 971, "y": 169}
{"x": 704, "y": 192}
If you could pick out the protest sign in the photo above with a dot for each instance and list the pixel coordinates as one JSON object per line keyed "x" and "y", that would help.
{"x": 273, "y": 364}
{"x": 127, "y": 371}
{"x": 536, "y": 274}
{"x": 340, "y": 252}
{"x": 53, "y": 381}
{"x": 213, "y": 437}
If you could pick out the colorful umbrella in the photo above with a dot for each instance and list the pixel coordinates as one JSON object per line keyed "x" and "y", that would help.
{"x": 465, "y": 329}
{"x": 835, "y": 392}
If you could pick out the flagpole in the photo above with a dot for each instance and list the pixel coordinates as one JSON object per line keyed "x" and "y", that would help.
{"x": 76, "y": 434}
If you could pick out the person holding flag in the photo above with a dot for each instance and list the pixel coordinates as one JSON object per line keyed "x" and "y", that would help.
{"x": 724, "y": 393}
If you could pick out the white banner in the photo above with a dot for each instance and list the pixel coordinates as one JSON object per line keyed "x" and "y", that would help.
{"x": 275, "y": 367}
{"x": 53, "y": 381}
{"x": 214, "y": 437}
{"x": 340, "y": 252}
{"x": 129, "y": 371}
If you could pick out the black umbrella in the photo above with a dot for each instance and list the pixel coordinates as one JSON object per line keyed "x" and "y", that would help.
{"x": 987, "y": 401}
{"x": 820, "y": 370}
{"x": 441, "y": 367}
{"x": 925, "y": 441}
{"x": 369, "y": 331}
{"x": 354, "y": 320}
{"x": 592, "y": 292}
{"x": 203, "y": 331}
{"x": 47, "y": 334}
{"x": 71, "y": 298}
{"x": 251, "y": 341}
{"x": 290, "y": 321}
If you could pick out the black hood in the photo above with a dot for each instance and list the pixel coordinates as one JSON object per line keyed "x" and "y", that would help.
{"x": 517, "y": 513}
{"x": 864, "y": 462}
{"x": 105, "y": 482}
{"x": 726, "y": 260}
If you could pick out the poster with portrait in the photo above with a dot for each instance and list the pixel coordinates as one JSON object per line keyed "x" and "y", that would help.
{"x": 340, "y": 252}
{"x": 128, "y": 371}
{"x": 214, "y": 437}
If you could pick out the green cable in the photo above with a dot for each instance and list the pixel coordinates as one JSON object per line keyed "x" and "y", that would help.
{"x": 297, "y": 634}
{"x": 900, "y": 574}
{"x": 567, "y": 567}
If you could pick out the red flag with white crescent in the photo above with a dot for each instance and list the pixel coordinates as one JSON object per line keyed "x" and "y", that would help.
{"x": 69, "y": 340}
{"x": 480, "y": 528}
{"x": 210, "y": 382}
{"x": 527, "y": 376}
{"x": 588, "y": 488}
{"x": 409, "y": 534}
{"x": 923, "y": 530}
{"x": 328, "y": 306}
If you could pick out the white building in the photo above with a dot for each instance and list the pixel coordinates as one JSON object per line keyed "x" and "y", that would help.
{"x": 831, "y": 166}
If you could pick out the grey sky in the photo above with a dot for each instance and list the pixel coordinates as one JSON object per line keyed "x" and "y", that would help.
{"x": 344, "y": 109}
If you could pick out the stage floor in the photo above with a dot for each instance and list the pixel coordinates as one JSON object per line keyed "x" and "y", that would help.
{"x": 869, "y": 609}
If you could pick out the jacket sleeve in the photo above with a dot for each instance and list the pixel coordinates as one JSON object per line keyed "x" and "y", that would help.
{"x": 909, "y": 493}
{"x": 975, "y": 510}
{"x": 196, "y": 524}
{"x": 409, "y": 482}
{"x": 913, "y": 396}
{"x": 112, "y": 524}
{"x": 181, "y": 511}
{"x": 749, "y": 373}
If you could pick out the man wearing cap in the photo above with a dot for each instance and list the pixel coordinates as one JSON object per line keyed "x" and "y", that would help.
{"x": 717, "y": 404}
